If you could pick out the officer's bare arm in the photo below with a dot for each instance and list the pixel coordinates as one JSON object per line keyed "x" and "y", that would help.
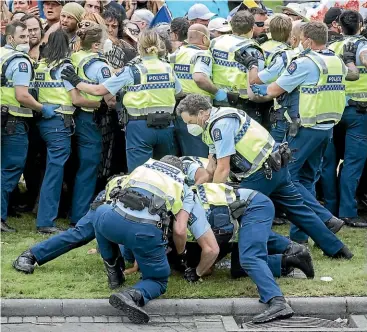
{"x": 363, "y": 58}
{"x": 94, "y": 90}
{"x": 222, "y": 171}
{"x": 25, "y": 98}
{"x": 253, "y": 76}
{"x": 209, "y": 252}
{"x": 204, "y": 83}
{"x": 211, "y": 166}
{"x": 353, "y": 72}
{"x": 110, "y": 100}
{"x": 202, "y": 176}
{"x": 180, "y": 230}
{"x": 79, "y": 100}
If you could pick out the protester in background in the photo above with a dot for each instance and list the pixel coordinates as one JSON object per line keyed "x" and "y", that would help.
{"x": 93, "y": 6}
{"x": 21, "y": 5}
{"x": 70, "y": 16}
{"x": 142, "y": 18}
{"x": 260, "y": 17}
{"x": 131, "y": 33}
{"x": 17, "y": 16}
{"x": 151, "y": 5}
{"x": 178, "y": 32}
{"x": 295, "y": 11}
{"x": 200, "y": 14}
{"x": 114, "y": 6}
{"x": 52, "y": 11}
{"x": 219, "y": 26}
{"x": 331, "y": 19}
{"x": 35, "y": 30}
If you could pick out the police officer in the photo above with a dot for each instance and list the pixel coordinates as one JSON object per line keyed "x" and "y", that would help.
{"x": 314, "y": 82}
{"x": 149, "y": 98}
{"x": 92, "y": 68}
{"x": 139, "y": 221}
{"x": 230, "y": 75}
{"x": 16, "y": 106}
{"x": 241, "y": 145}
{"x": 354, "y": 119}
{"x": 193, "y": 64}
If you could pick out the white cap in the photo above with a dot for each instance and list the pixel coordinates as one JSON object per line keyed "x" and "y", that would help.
{"x": 142, "y": 15}
{"x": 295, "y": 8}
{"x": 199, "y": 11}
{"x": 219, "y": 24}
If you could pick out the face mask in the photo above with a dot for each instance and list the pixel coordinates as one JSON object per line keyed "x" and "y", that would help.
{"x": 194, "y": 129}
{"x": 300, "y": 47}
{"x": 23, "y": 48}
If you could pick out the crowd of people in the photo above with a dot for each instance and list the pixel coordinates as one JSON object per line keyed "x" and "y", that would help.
{"x": 176, "y": 144}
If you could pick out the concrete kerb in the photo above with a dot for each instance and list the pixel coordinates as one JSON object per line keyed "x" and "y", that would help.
{"x": 311, "y": 306}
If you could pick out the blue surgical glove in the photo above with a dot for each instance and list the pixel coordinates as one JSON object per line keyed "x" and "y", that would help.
{"x": 221, "y": 95}
{"x": 48, "y": 111}
{"x": 259, "y": 89}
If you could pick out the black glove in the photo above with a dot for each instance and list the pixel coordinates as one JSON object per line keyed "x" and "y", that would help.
{"x": 181, "y": 263}
{"x": 246, "y": 59}
{"x": 70, "y": 75}
{"x": 190, "y": 275}
{"x": 349, "y": 53}
{"x": 3, "y": 79}
{"x": 263, "y": 37}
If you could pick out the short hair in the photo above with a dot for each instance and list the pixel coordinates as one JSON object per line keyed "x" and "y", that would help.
{"x": 12, "y": 27}
{"x": 242, "y": 22}
{"x": 180, "y": 26}
{"x": 173, "y": 161}
{"x": 316, "y": 31}
{"x": 349, "y": 21}
{"x": 257, "y": 11}
{"x": 192, "y": 104}
{"x": 280, "y": 28}
{"x": 27, "y": 17}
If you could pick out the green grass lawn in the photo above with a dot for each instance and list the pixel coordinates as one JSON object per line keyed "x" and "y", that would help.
{"x": 79, "y": 275}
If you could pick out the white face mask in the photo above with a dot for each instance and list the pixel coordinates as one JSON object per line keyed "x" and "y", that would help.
{"x": 23, "y": 48}
{"x": 300, "y": 47}
{"x": 194, "y": 129}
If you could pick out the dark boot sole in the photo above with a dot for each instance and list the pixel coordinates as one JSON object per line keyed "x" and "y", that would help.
{"x": 21, "y": 269}
{"x": 309, "y": 262}
{"x": 134, "y": 313}
{"x": 283, "y": 314}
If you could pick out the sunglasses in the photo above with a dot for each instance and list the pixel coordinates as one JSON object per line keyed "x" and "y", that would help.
{"x": 260, "y": 24}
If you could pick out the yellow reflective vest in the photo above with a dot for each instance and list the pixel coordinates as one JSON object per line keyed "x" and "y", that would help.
{"x": 52, "y": 90}
{"x": 183, "y": 62}
{"x": 7, "y": 91}
{"x": 153, "y": 90}
{"x": 81, "y": 61}
{"x": 355, "y": 90}
{"x": 228, "y": 73}
{"x": 253, "y": 143}
{"x": 324, "y": 101}
{"x": 161, "y": 179}
{"x": 271, "y": 48}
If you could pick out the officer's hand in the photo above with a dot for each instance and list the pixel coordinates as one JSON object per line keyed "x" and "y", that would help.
{"x": 221, "y": 95}
{"x": 349, "y": 53}
{"x": 70, "y": 75}
{"x": 259, "y": 89}
{"x": 181, "y": 263}
{"x": 246, "y": 59}
{"x": 190, "y": 275}
{"x": 48, "y": 111}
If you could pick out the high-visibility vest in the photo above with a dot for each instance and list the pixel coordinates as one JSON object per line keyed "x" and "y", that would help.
{"x": 82, "y": 60}
{"x": 52, "y": 90}
{"x": 7, "y": 90}
{"x": 253, "y": 143}
{"x": 188, "y": 160}
{"x": 324, "y": 101}
{"x": 161, "y": 179}
{"x": 356, "y": 90}
{"x": 183, "y": 62}
{"x": 271, "y": 48}
{"x": 228, "y": 73}
{"x": 114, "y": 182}
{"x": 153, "y": 90}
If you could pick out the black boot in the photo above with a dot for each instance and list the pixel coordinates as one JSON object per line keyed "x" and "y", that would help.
{"x": 297, "y": 256}
{"x": 115, "y": 272}
{"x": 355, "y": 222}
{"x": 6, "y": 228}
{"x": 25, "y": 262}
{"x": 278, "y": 309}
{"x": 334, "y": 224}
{"x": 130, "y": 301}
{"x": 344, "y": 253}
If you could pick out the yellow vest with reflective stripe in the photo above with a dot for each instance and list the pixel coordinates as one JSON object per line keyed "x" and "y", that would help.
{"x": 187, "y": 160}
{"x": 52, "y": 90}
{"x": 252, "y": 141}
{"x": 156, "y": 90}
{"x": 228, "y": 73}
{"x": 8, "y": 90}
{"x": 81, "y": 61}
{"x": 183, "y": 63}
{"x": 161, "y": 179}
{"x": 271, "y": 48}
{"x": 356, "y": 90}
{"x": 325, "y": 101}
{"x": 217, "y": 194}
